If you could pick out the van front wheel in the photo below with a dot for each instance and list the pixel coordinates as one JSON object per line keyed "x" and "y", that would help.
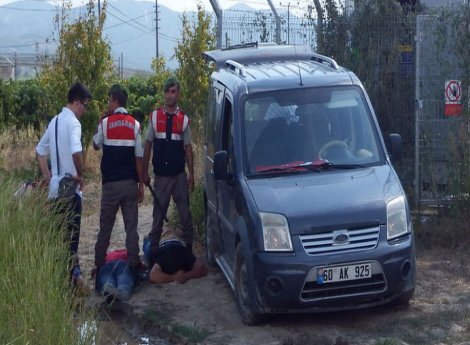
{"x": 242, "y": 293}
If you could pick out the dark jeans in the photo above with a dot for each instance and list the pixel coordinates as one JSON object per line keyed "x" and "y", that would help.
{"x": 117, "y": 273}
{"x": 71, "y": 216}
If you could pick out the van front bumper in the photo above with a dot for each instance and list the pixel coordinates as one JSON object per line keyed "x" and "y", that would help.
{"x": 286, "y": 282}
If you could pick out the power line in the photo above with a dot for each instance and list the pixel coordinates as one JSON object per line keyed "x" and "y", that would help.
{"x": 128, "y": 23}
{"x": 122, "y": 23}
{"x": 130, "y": 19}
{"x": 7, "y": 7}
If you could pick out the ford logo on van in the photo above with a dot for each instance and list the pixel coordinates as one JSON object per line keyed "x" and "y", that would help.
{"x": 341, "y": 238}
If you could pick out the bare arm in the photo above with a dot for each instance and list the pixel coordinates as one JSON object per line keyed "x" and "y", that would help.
{"x": 46, "y": 174}
{"x": 188, "y": 149}
{"x": 78, "y": 162}
{"x": 158, "y": 276}
{"x": 199, "y": 270}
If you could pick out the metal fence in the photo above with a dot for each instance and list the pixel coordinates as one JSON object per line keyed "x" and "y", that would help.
{"x": 428, "y": 135}
{"x": 435, "y": 133}
{"x": 240, "y": 27}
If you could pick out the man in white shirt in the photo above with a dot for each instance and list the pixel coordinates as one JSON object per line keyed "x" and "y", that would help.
{"x": 61, "y": 143}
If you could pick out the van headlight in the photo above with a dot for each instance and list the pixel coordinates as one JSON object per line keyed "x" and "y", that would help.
{"x": 276, "y": 235}
{"x": 397, "y": 218}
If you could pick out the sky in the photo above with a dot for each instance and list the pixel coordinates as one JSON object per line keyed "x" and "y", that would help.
{"x": 177, "y": 5}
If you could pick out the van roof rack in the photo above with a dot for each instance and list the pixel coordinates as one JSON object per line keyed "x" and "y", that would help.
{"x": 241, "y": 46}
{"x": 235, "y": 66}
{"x": 324, "y": 59}
{"x": 243, "y": 54}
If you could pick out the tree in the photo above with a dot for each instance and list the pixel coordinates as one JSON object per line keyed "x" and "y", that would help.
{"x": 332, "y": 29}
{"x": 193, "y": 72}
{"x": 82, "y": 55}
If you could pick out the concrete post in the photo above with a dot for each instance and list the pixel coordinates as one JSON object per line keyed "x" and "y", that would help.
{"x": 219, "y": 15}
{"x": 278, "y": 22}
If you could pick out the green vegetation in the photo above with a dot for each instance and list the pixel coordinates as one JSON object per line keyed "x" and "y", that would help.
{"x": 193, "y": 334}
{"x": 194, "y": 72}
{"x": 82, "y": 55}
{"x": 37, "y": 303}
{"x": 38, "y": 306}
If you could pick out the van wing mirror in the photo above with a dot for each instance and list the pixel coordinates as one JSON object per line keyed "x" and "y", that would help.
{"x": 395, "y": 146}
{"x": 221, "y": 166}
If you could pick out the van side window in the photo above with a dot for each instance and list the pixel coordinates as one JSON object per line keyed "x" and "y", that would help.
{"x": 213, "y": 119}
{"x": 227, "y": 132}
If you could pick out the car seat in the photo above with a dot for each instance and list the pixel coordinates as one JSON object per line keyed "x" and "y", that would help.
{"x": 271, "y": 146}
{"x": 312, "y": 132}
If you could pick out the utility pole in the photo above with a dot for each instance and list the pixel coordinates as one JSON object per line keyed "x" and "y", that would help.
{"x": 99, "y": 9}
{"x": 122, "y": 65}
{"x": 219, "y": 15}
{"x": 16, "y": 66}
{"x": 278, "y": 22}
{"x": 288, "y": 23}
{"x": 156, "y": 29}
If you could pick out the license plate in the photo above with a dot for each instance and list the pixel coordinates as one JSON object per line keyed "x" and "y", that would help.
{"x": 343, "y": 273}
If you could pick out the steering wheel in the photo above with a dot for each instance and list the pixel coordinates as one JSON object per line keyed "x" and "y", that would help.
{"x": 324, "y": 148}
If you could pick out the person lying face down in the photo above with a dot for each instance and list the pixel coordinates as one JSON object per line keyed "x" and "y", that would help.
{"x": 175, "y": 262}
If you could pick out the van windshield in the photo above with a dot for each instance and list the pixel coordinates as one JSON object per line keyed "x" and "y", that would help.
{"x": 295, "y": 130}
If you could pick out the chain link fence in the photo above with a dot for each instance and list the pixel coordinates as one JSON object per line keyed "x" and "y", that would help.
{"x": 241, "y": 27}
{"x": 437, "y": 135}
{"x": 404, "y": 61}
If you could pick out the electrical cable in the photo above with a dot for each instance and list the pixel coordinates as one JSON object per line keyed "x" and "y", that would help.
{"x": 124, "y": 14}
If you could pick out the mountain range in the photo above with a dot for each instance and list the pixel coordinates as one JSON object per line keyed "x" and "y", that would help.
{"x": 27, "y": 26}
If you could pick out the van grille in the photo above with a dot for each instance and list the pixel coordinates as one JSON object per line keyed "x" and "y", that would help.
{"x": 313, "y": 291}
{"x": 340, "y": 241}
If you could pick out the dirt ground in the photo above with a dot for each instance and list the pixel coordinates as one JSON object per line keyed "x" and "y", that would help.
{"x": 203, "y": 311}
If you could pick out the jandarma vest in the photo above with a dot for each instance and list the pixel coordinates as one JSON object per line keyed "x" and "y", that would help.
{"x": 168, "y": 144}
{"x": 119, "y": 140}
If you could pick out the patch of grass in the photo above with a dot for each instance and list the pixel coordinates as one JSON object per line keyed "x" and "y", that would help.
{"x": 446, "y": 229}
{"x": 38, "y": 306}
{"x": 193, "y": 334}
{"x": 157, "y": 316}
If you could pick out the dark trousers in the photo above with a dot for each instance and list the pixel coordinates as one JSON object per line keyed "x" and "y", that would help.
{"x": 71, "y": 214}
{"x": 166, "y": 187}
{"x": 115, "y": 195}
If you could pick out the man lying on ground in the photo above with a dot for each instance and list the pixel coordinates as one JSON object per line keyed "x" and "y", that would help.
{"x": 174, "y": 261}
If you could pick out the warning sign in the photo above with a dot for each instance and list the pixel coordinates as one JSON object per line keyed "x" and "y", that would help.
{"x": 453, "y": 97}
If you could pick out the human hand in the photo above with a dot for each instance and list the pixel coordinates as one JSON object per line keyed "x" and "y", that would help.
{"x": 140, "y": 193}
{"x": 80, "y": 181}
{"x": 180, "y": 277}
{"x": 191, "y": 182}
{"x": 146, "y": 178}
{"x": 44, "y": 182}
